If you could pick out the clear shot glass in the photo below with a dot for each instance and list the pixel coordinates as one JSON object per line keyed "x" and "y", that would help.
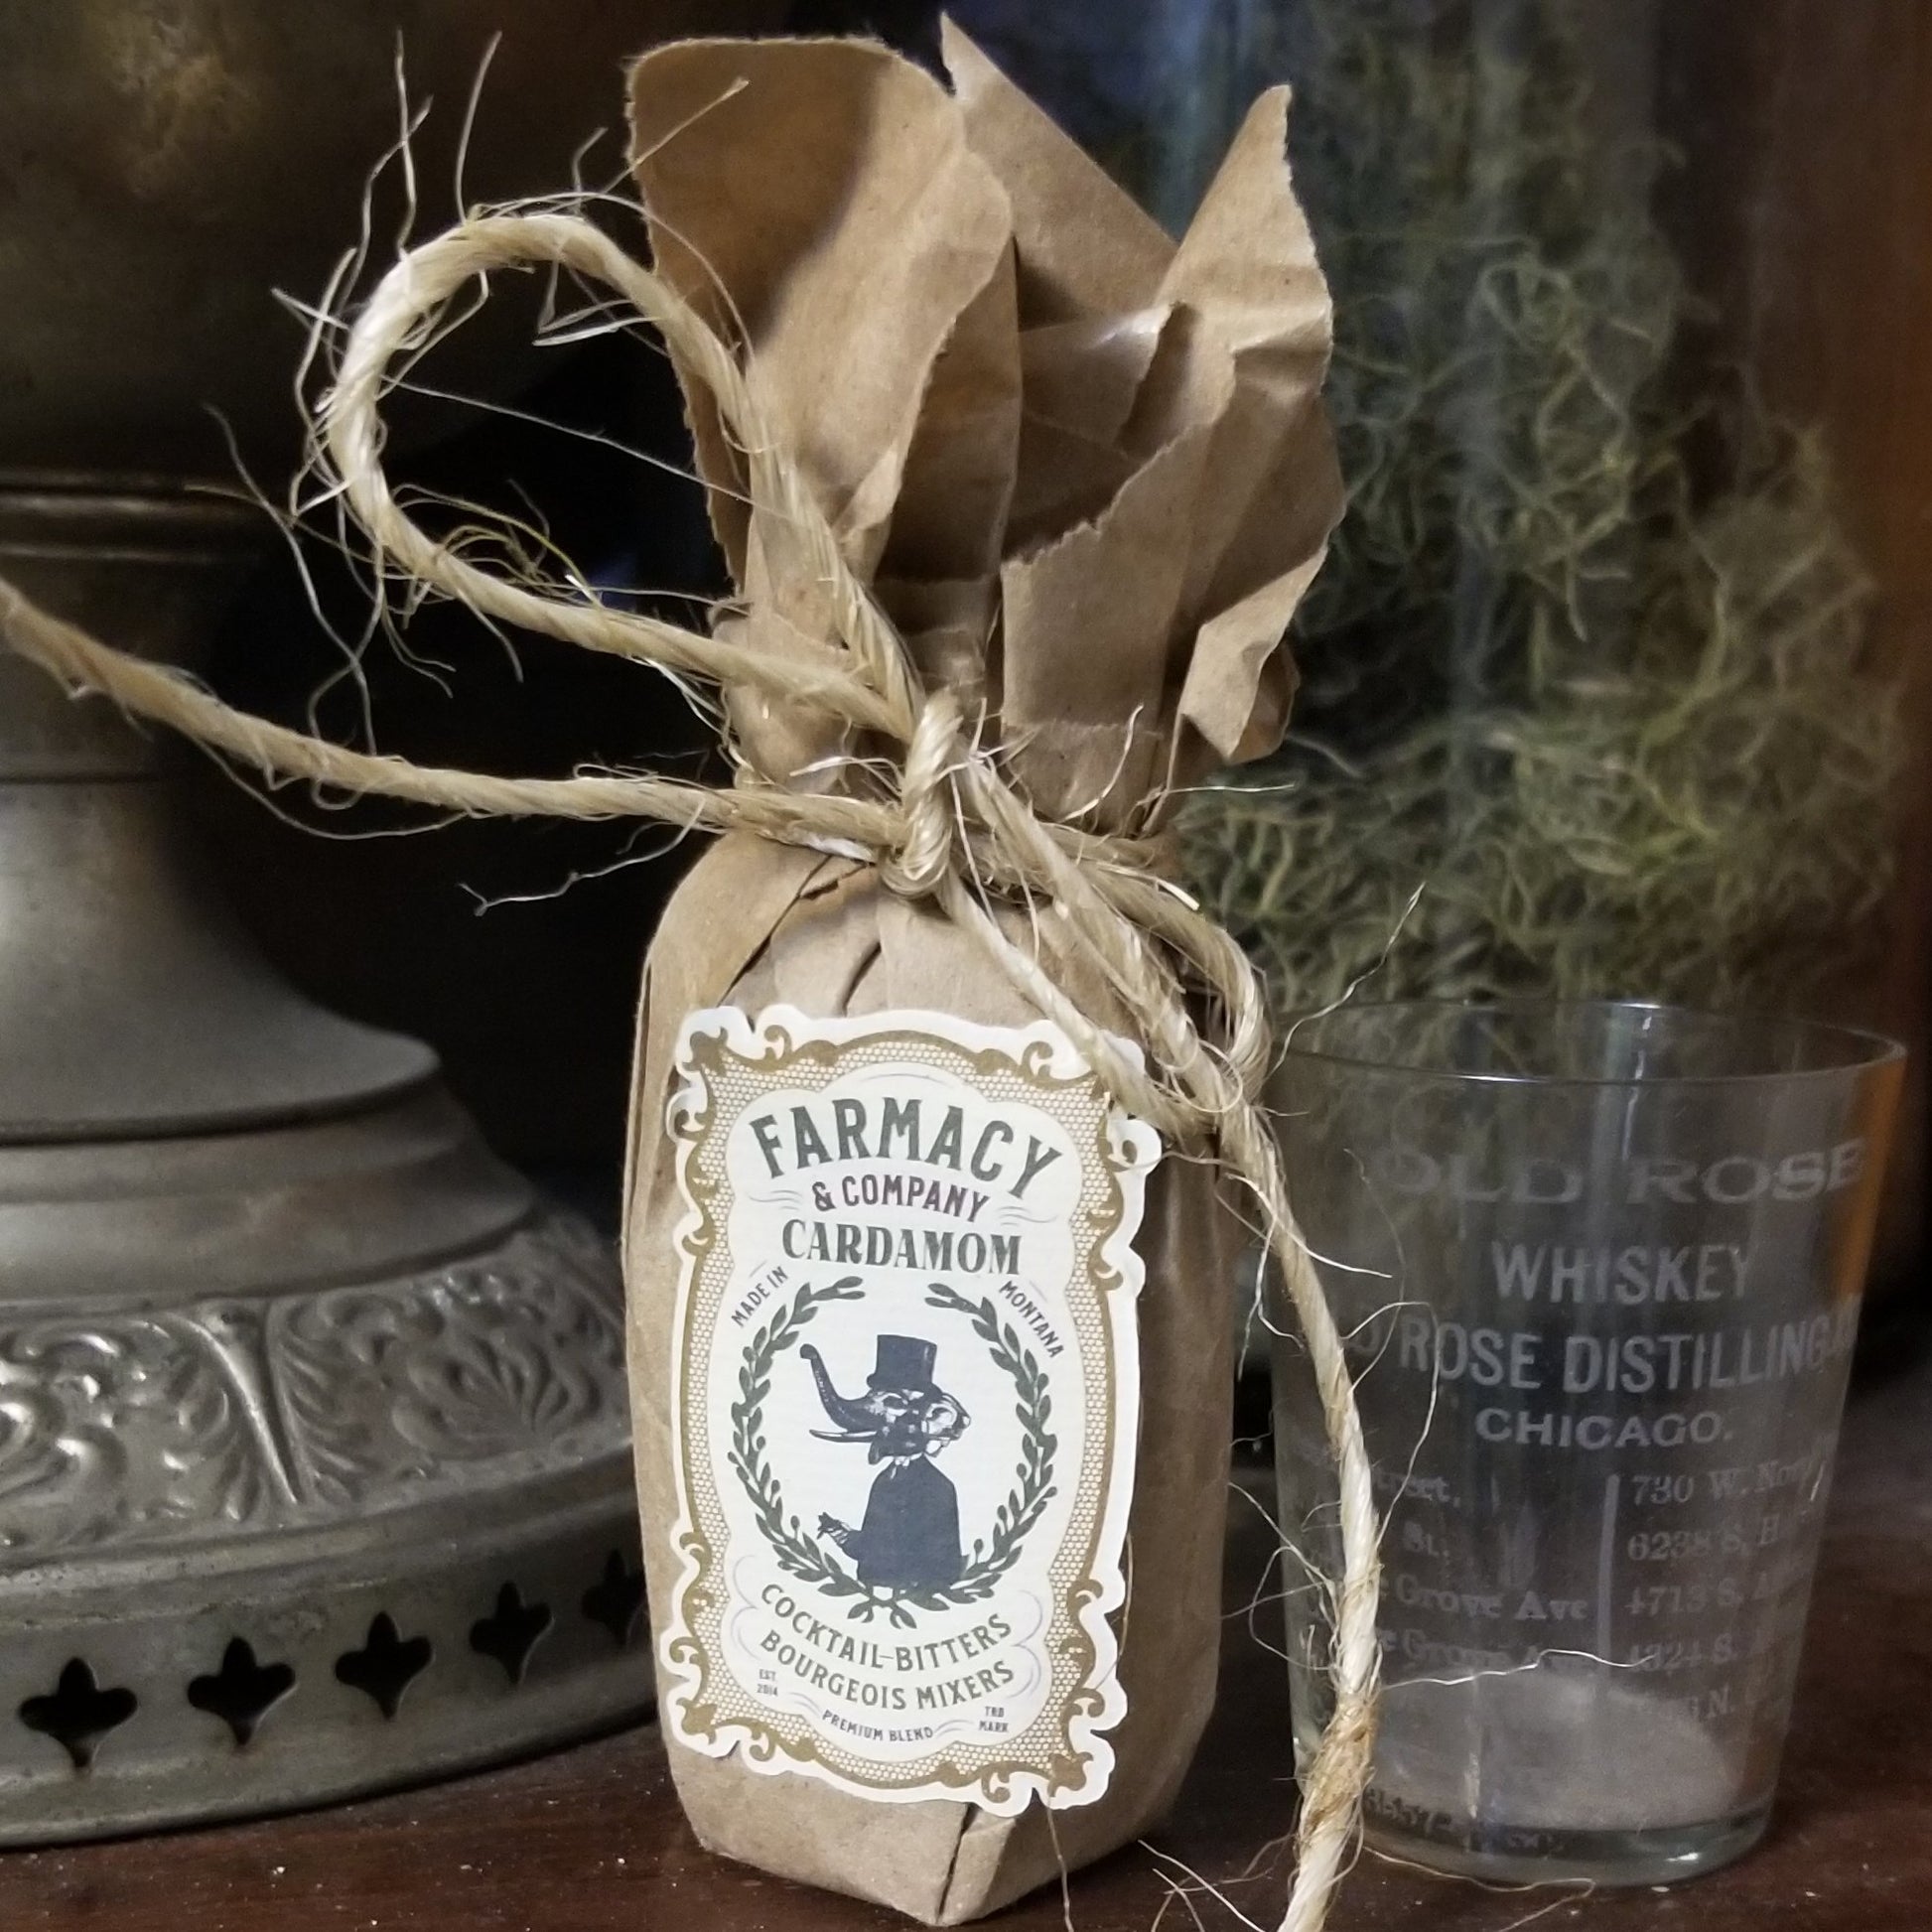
{"x": 1599, "y": 1266}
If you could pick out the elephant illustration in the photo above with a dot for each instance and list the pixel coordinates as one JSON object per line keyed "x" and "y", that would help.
{"x": 909, "y": 1538}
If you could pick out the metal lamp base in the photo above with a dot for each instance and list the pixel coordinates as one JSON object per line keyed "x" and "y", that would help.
{"x": 314, "y": 1457}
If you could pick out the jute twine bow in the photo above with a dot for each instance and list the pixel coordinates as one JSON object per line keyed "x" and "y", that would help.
{"x": 946, "y": 826}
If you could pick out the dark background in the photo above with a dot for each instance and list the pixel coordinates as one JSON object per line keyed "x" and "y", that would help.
{"x": 513, "y": 948}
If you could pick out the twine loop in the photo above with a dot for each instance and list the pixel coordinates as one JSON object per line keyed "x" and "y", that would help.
{"x": 928, "y": 805}
{"x": 949, "y": 828}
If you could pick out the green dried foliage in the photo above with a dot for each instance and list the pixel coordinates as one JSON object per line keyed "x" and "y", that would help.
{"x": 1589, "y": 662}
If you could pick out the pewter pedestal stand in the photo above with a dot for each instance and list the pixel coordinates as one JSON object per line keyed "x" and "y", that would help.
{"x": 312, "y": 1449}
{"x": 313, "y": 1466}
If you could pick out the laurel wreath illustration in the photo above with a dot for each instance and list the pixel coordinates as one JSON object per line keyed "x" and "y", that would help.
{"x": 800, "y": 1551}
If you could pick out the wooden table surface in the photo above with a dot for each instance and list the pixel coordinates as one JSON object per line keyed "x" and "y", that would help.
{"x": 591, "y": 1840}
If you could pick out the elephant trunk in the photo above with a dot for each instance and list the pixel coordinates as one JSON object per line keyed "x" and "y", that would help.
{"x": 851, "y": 1416}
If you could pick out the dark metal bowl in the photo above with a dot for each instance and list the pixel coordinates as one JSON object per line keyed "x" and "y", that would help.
{"x": 166, "y": 165}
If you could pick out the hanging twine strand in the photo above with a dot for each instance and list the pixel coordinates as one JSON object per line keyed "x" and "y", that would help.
{"x": 948, "y": 827}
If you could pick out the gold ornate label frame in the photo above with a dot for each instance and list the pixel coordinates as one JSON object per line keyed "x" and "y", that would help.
{"x": 905, "y": 1404}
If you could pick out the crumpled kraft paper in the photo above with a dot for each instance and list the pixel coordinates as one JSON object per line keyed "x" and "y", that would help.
{"x": 1087, "y": 473}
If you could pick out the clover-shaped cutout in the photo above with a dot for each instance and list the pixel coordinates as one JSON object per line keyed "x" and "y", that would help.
{"x": 615, "y": 1599}
{"x": 387, "y": 1665}
{"x": 77, "y": 1713}
{"x": 243, "y": 1692}
{"x": 511, "y": 1631}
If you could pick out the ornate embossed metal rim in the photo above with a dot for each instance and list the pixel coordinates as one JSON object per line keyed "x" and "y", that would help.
{"x": 255, "y": 1555}
{"x": 127, "y": 1428}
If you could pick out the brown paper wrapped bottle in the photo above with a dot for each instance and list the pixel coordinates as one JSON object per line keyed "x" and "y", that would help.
{"x": 824, "y": 937}
{"x": 1086, "y": 473}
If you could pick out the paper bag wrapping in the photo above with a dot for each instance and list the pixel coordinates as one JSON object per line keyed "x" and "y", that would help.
{"x": 1087, "y": 474}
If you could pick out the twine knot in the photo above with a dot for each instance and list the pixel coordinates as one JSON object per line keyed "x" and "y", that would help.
{"x": 928, "y": 806}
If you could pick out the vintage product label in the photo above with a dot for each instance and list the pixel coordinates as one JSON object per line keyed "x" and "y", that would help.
{"x": 905, "y": 1396}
